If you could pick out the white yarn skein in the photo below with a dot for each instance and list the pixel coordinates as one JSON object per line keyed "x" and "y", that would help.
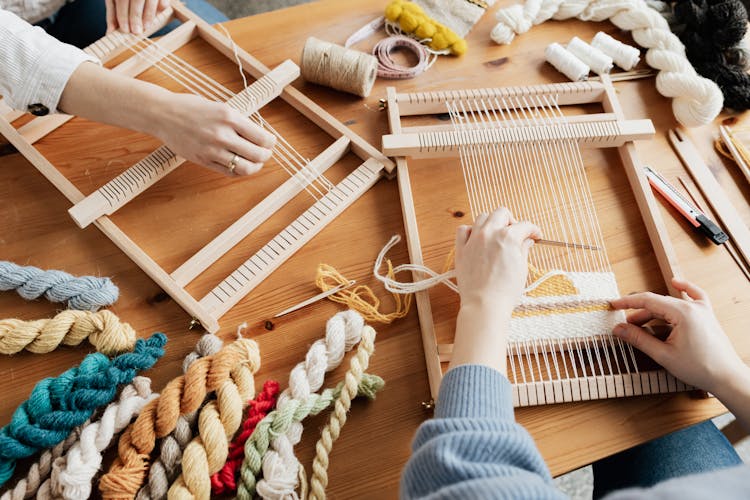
{"x": 622, "y": 54}
{"x": 697, "y": 100}
{"x": 598, "y": 61}
{"x": 566, "y": 63}
{"x": 280, "y": 465}
{"x": 74, "y": 472}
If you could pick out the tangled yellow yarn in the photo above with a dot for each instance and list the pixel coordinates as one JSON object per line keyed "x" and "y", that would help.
{"x": 411, "y": 19}
{"x": 104, "y": 330}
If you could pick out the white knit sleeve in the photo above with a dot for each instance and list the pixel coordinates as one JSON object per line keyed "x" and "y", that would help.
{"x": 34, "y": 66}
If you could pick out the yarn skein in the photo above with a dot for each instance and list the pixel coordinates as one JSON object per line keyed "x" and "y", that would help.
{"x": 341, "y": 406}
{"x": 103, "y": 329}
{"x": 280, "y": 465}
{"x": 86, "y": 293}
{"x": 73, "y": 473}
{"x": 566, "y": 63}
{"x": 334, "y": 66}
{"x": 218, "y": 420}
{"x": 225, "y": 480}
{"x": 40, "y": 470}
{"x": 181, "y": 396}
{"x": 280, "y": 420}
{"x": 167, "y": 466}
{"x": 57, "y": 405}
{"x": 598, "y": 61}
{"x": 696, "y": 100}
{"x": 713, "y": 34}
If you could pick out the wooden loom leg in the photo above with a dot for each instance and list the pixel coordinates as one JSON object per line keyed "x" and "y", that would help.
{"x": 644, "y": 197}
{"x": 142, "y": 260}
{"x": 41, "y": 126}
{"x": 246, "y": 224}
{"x": 291, "y": 95}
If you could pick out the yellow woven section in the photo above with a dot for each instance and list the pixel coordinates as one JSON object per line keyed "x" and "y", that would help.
{"x": 361, "y": 298}
{"x": 575, "y": 306}
{"x": 554, "y": 286}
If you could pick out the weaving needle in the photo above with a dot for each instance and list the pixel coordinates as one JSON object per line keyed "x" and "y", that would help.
{"x": 316, "y": 298}
{"x": 554, "y": 243}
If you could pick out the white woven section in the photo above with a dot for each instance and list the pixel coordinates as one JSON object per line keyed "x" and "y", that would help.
{"x": 591, "y": 287}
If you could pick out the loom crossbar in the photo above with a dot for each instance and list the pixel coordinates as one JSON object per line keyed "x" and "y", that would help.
{"x": 606, "y": 373}
{"x": 269, "y": 84}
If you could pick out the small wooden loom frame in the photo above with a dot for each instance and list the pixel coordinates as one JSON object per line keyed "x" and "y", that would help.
{"x": 269, "y": 84}
{"x": 608, "y": 129}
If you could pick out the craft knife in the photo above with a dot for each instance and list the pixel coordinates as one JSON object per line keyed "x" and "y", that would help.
{"x": 697, "y": 218}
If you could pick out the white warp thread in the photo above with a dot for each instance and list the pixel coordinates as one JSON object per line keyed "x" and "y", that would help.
{"x": 696, "y": 100}
{"x": 73, "y": 473}
{"x": 280, "y": 465}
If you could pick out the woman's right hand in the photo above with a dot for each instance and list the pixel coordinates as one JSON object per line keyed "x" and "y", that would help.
{"x": 211, "y": 134}
{"x": 697, "y": 351}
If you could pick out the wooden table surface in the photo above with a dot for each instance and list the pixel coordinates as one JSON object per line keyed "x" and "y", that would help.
{"x": 175, "y": 218}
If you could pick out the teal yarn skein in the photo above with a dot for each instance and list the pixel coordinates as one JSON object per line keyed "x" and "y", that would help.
{"x": 57, "y": 405}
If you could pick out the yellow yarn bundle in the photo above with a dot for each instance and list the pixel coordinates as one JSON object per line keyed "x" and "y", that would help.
{"x": 104, "y": 330}
{"x": 217, "y": 423}
{"x": 412, "y": 19}
{"x": 361, "y": 298}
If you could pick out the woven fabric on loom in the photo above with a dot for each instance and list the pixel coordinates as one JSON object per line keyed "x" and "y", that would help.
{"x": 458, "y": 15}
{"x": 569, "y": 305}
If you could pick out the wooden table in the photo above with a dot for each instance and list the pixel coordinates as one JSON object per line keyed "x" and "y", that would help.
{"x": 184, "y": 211}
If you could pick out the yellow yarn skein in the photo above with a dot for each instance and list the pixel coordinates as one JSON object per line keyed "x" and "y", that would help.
{"x": 104, "y": 330}
{"x": 411, "y": 19}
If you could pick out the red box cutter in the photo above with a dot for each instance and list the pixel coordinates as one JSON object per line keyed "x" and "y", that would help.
{"x": 698, "y": 219}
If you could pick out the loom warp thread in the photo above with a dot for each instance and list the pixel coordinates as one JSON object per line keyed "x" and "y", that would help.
{"x": 696, "y": 100}
{"x": 57, "y": 405}
{"x": 225, "y": 481}
{"x": 182, "y": 395}
{"x": 167, "y": 466}
{"x": 104, "y": 330}
{"x": 86, "y": 293}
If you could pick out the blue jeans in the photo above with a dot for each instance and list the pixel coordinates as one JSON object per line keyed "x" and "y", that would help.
{"x": 696, "y": 449}
{"x": 82, "y": 22}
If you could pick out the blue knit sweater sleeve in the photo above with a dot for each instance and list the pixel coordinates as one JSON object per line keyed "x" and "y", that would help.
{"x": 474, "y": 448}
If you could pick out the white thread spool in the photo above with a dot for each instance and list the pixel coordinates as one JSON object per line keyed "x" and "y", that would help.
{"x": 598, "y": 61}
{"x": 623, "y": 55}
{"x": 334, "y": 66}
{"x": 566, "y": 63}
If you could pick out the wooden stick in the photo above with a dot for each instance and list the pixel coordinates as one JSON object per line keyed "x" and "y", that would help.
{"x": 448, "y": 143}
{"x": 728, "y": 139}
{"x": 644, "y": 197}
{"x": 712, "y": 192}
{"x": 246, "y": 224}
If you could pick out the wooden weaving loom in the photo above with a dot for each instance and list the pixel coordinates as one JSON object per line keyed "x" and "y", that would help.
{"x": 304, "y": 175}
{"x": 517, "y": 148}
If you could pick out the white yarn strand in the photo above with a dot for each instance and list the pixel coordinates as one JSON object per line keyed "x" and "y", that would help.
{"x": 622, "y": 54}
{"x": 566, "y": 63}
{"x": 696, "y": 100}
{"x": 598, "y": 61}
{"x": 280, "y": 465}
{"x": 73, "y": 473}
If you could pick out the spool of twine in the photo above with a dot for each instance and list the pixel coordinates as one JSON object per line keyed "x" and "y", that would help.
{"x": 334, "y": 66}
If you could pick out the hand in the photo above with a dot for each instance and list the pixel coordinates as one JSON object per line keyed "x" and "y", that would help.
{"x": 491, "y": 258}
{"x": 491, "y": 269}
{"x": 211, "y": 133}
{"x": 132, "y": 16}
{"x": 697, "y": 351}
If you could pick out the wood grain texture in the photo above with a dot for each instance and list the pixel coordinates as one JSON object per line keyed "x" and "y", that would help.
{"x": 187, "y": 209}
